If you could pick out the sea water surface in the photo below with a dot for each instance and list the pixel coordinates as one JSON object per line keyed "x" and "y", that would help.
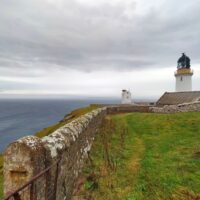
{"x": 21, "y": 117}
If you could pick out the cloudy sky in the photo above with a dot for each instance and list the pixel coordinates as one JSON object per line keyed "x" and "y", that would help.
{"x": 96, "y": 47}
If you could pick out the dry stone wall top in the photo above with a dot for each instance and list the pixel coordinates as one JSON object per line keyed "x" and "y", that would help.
{"x": 185, "y": 107}
{"x": 30, "y": 155}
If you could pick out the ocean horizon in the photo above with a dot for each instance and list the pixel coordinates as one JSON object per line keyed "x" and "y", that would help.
{"x": 21, "y": 117}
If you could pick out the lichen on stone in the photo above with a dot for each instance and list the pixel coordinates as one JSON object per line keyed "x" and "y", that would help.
{"x": 31, "y": 141}
{"x": 55, "y": 142}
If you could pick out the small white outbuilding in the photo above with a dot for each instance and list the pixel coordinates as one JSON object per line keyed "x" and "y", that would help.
{"x": 126, "y": 97}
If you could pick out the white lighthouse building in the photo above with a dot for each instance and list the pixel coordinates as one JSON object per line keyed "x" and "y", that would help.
{"x": 183, "y": 75}
{"x": 126, "y": 97}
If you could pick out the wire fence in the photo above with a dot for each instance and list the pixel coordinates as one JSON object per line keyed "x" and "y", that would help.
{"x": 37, "y": 188}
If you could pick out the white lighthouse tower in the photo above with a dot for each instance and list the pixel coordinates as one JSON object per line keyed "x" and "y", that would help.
{"x": 183, "y": 74}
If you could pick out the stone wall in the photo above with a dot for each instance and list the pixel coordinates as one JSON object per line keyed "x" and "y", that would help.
{"x": 28, "y": 156}
{"x": 186, "y": 107}
{"x": 127, "y": 109}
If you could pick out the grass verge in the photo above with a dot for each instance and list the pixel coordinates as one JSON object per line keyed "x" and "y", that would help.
{"x": 143, "y": 156}
{"x": 1, "y": 176}
{"x": 68, "y": 118}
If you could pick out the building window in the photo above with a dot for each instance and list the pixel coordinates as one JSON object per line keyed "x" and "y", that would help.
{"x": 181, "y": 78}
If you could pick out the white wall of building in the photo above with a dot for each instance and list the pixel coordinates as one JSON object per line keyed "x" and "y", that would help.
{"x": 126, "y": 97}
{"x": 183, "y": 82}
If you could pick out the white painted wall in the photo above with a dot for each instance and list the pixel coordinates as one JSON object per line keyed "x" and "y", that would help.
{"x": 126, "y": 97}
{"x": 183, "y": 82}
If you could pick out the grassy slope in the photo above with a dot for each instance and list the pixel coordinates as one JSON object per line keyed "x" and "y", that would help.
{"x": 158, "y": 158}
{"x": 1, "y": 175}
{"x": 73, "y": 115}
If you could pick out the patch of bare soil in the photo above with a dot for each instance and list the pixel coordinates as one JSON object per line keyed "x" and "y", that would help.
{"x": 197, "y": 154}
{"x": 139, "y": 148}
{"x": 184, "y": 194}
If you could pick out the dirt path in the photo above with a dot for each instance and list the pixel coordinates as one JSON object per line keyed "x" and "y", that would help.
{"x": 138, "y": 150}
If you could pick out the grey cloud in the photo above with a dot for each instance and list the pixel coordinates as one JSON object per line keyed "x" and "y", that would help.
{"x": 10, "y": 86}
{"x": 38, "y": 34}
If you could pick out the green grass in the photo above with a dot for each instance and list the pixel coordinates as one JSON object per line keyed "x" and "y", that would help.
{"x": 144, "y": 156}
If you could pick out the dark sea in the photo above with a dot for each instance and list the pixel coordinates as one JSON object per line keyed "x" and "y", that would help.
{"x": 21, "y": 117}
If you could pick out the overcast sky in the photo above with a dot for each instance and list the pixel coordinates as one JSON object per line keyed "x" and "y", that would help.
{"x": 96, "y": 47}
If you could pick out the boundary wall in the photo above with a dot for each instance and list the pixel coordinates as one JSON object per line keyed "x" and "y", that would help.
{"x": 185, "y": 107}
{"x": 30, "y": 155}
